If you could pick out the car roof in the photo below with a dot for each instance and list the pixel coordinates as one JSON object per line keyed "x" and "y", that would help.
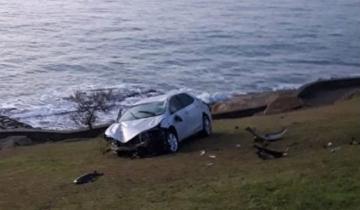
{"x": 159, "y": 98}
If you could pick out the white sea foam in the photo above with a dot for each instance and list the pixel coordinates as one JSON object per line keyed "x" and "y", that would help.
{"x": 234, "y": 50}
{"x": 54, "y": 111}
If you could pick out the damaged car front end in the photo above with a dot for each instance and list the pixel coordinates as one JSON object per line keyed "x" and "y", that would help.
{"x": 138, "y": 129}
{"x": 150, "y": 142}
{"x": 159, "y": 124}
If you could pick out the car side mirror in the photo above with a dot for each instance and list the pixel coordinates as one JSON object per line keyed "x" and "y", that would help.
{"x": 178, "y": 118}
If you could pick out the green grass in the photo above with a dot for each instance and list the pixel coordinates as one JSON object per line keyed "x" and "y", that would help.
{"x": 311, "y": 177}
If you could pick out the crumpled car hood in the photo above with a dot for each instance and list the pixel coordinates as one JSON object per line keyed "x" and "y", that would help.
{"x": 126, "y": 130}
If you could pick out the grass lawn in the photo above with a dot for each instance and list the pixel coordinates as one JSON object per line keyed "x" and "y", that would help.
{"x": 311, "y": 177}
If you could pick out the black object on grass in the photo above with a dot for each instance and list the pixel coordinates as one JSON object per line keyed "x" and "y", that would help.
{"x": 89, "y": 177}
{"x": 266, "y": 154}
{"x": 268, "y": 137}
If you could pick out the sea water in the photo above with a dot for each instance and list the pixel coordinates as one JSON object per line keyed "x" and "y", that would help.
{"x": 50, "y": 49}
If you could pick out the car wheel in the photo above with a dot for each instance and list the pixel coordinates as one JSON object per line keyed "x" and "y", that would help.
{"x": 172, "y": 142}
{"x": 207, "y": 128}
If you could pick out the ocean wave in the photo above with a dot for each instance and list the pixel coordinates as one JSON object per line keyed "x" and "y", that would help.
{"x": 56, "y": 113}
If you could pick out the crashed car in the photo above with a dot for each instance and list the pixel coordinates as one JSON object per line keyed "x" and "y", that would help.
{"x": 159, "y": 123}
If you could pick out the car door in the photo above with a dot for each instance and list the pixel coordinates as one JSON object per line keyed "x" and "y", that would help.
{"x": 192, "y": 115}
{"x": 179, "y": 120}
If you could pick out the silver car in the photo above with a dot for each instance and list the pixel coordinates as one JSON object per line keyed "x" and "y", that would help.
{"x": 160, "y": 123}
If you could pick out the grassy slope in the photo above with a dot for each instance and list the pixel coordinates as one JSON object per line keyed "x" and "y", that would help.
{"x": 39, "y": 177}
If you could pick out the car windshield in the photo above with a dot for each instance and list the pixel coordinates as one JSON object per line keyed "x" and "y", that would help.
{"x": 143, "y": 111}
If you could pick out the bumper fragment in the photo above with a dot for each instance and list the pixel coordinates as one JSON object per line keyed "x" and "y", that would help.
{"x": 153, "y": 140}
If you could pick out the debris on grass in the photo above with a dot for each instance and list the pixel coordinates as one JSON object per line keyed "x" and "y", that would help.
{"x": 354, "y": 142}
{"x": 335, "y": 149}
{"x": 268, "y": 154}
{"x": 328, "y": 145}
{"x": 210, "y": 164}
{"x": 88, "y": 177}
{"x": 202, "y": 152}
{"x": 267, "y": 137}
{"x": 238, "y": 145}
{"x": 212, "y": 156}
{"x": 331, "y": 146}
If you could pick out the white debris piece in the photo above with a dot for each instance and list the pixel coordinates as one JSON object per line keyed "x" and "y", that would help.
{"x": 202, "y": 152}
{"x": 212, "y": 156}
{"x": 209, "y": 164}
{"x": 335, "y": 149}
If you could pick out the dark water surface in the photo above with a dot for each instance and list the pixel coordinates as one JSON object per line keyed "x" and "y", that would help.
{"x": 50, "y": 48}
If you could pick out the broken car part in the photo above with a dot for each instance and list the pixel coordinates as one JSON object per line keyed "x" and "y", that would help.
{"x": 266, "y": 154}
{"x": 89, "y": 177}
{"x": 268, "y": 137}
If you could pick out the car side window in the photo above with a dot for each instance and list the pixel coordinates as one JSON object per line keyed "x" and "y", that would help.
{"x": 185, "y": 99}
{"x": 175, "y": 104}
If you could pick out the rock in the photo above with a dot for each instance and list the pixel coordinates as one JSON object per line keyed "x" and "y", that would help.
{"x": 283, "y": 103}
{"x": 256, "y": 104}
{"x": 13, "y": 141}
{"x": 8, "y": 123}
{"x": 243, "y": 102}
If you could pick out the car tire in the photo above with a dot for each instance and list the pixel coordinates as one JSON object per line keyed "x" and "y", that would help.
{"x": 207, "y": 127}
{"x": 171, "y": 142}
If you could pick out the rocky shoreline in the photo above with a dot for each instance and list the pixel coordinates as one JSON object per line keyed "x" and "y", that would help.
{"x": 318, "y": 93}
{"x": 7, "y": 123}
